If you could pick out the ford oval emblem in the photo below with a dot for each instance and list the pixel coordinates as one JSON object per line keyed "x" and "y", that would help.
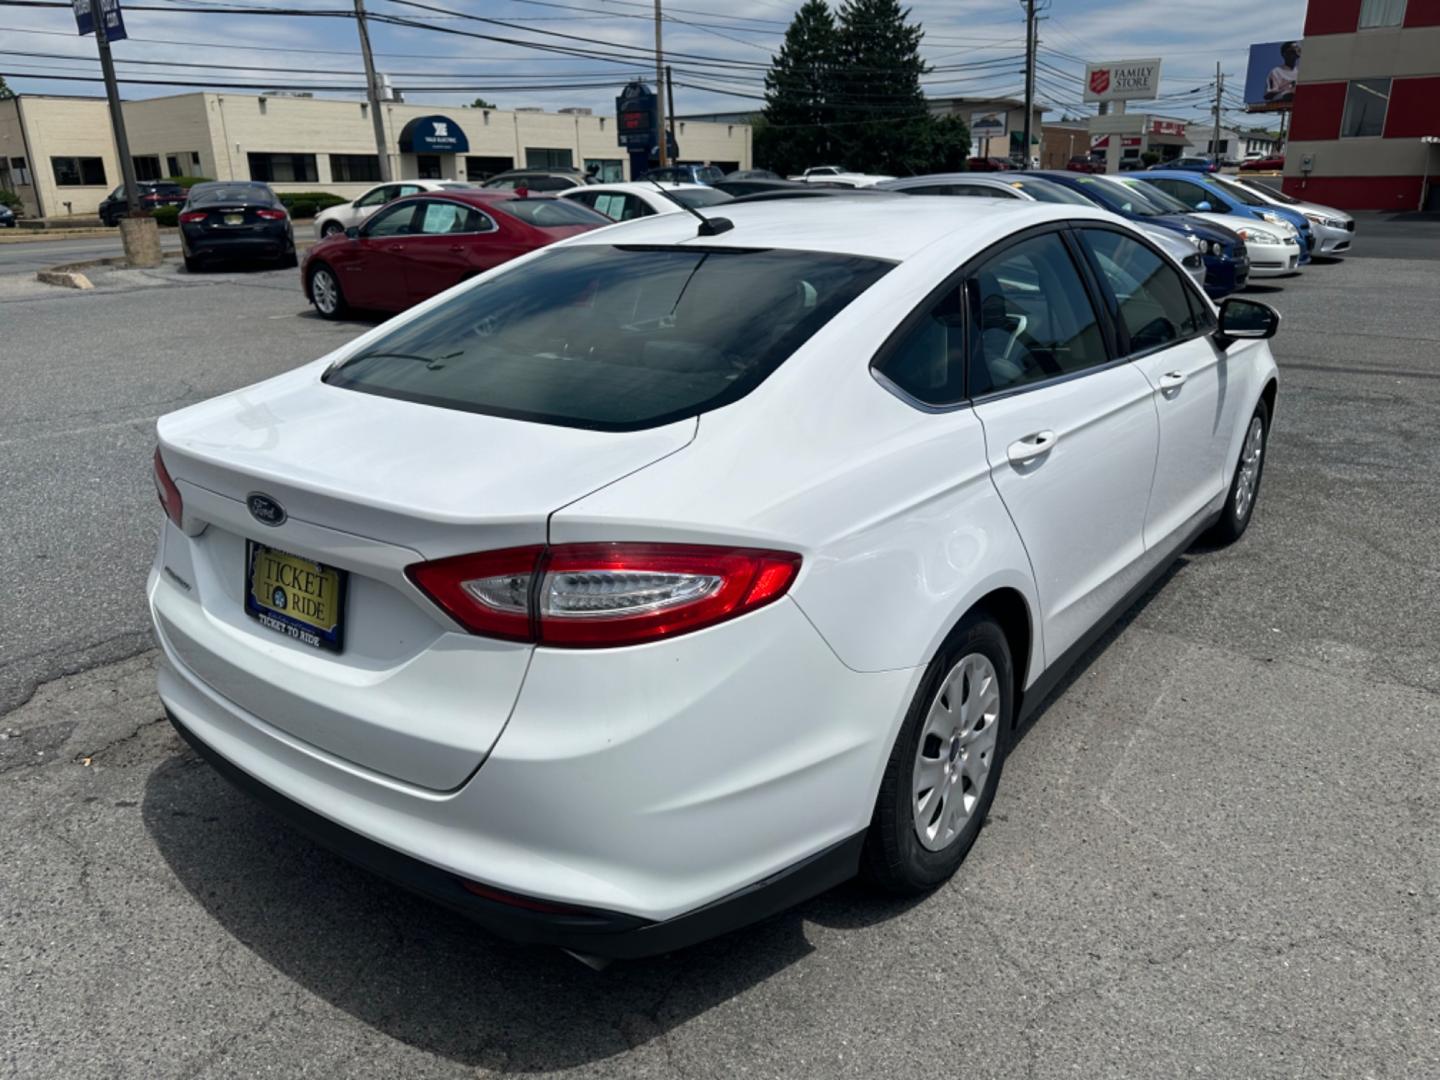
{"x": 265, "y": 510}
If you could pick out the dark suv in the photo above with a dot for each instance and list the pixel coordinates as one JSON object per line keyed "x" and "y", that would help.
{"x": 152, "y": 193}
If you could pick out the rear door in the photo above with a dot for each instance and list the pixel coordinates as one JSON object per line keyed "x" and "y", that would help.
{"x": 1070, "y": 431}
{"x": 447, "y": 247}
{"x": 372, "y": 268}
{"x": 1165, "y": 331}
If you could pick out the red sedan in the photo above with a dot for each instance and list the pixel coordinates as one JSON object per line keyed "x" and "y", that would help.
{"x": 422, "y": 244}
{"x": 1273, "y": 163}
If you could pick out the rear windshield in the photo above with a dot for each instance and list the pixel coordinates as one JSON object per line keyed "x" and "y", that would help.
{"x": 205, "y": 193}
{"x": 552, "y": 213}
{"x": 700, "y": 196}
{"x": 1044, "y": 191}
{"x": 613, "y": 338}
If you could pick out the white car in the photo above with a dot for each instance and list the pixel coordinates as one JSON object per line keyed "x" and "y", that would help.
{"x": 1334, "y": 229}
{"x": 349, "y": 215}
{"x": 625, "y": 201}
{"x": 1039, "y": 189}
{"x": 834, "y": 174}
{"x": 656, "y": 580}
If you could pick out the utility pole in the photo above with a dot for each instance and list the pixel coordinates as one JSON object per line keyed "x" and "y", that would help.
{"x": 660, "y": 123}
{"x": 1029, "y": 76}
{"x": 670, "y": 105}
{"x": 117, "y": 116}
{"x": 1219, "y": 89}
{"x": 372, "y": 91}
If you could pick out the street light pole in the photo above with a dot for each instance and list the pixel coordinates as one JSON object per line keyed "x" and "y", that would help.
{"x": 1219, "y": 89}
{"x": 661, "y": 126}
{"x": 117, "y": 115}
{"x": 1029, "y": 75}
{"x": 372, "y": 91}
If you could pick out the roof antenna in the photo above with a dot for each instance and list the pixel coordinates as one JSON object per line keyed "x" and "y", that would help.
{"x": 708, "y": 226}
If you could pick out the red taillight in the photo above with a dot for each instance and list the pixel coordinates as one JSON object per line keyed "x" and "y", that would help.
{"x": 190, "y": 217}
{"x": 166, "y": 489}
{"x": 271, "y": 215}
{"x": 599, "y": 595}
{"x": 525, "y": 903}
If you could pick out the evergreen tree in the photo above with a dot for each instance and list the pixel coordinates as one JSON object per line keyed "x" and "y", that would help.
{"x": 796, "y": 130}
{"x": 5, "y": 91}
{"x": 881, "y": 120}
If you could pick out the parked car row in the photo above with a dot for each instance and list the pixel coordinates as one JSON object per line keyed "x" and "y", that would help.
{"x": 669, "y": 575}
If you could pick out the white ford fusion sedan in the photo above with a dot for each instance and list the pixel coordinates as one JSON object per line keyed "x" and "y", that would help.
{"x": 653, "y": 582}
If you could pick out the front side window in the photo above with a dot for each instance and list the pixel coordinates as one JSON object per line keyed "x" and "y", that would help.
{"x": 928, "y": 360}
{"x": 1192, "y": 195}
{"x": 1375, "y": 13}
{"x": 613, "y": 338}
{"x": 395, "y": 221}
{"x": 1365, "y": 103}
{"x": 1154, "y": 308}
{"x": 620, "y": 207}
{"x": 1032, "y": 319}
{"x": 78, "y": 171}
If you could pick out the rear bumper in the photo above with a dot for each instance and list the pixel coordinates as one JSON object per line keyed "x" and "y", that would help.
{"x": 645, "y": 785}
{"x": 609, "y": 934}
{"x": 266, "y": 245}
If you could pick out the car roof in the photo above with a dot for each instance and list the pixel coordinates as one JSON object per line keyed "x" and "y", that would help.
{"x": 638, "y": 186}
{"x": 944, "y": 178}
{"x": 894, "y": 229}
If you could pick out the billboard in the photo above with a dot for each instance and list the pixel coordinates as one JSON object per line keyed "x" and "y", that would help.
{"x": 1122, "y": 80}
{"x": 1270, "y": 78}
{"x": 989, "y": 125}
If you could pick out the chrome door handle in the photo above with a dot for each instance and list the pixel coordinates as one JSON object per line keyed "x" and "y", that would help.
{"x": 1026, "y": 450}
{"x": 1172, "y": 380}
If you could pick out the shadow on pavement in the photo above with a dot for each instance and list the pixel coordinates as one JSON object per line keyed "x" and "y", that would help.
{"x": 425, "y": 976}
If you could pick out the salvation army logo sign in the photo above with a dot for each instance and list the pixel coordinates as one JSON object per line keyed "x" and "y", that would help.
{"x": 1099, "y": 80}
{"x": 1122, "y": 80}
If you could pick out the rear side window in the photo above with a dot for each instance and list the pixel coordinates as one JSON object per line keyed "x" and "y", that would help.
{"x": 612, "y": 338}
{"x": 928, "y": 359}
{"x": 1033, "y": 318}
{"x": 1154, "y": 308}
{"x": 1192, "y": 195}
{"x": 551, "y": 213}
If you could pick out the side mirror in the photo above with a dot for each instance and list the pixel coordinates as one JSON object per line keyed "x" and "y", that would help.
{"x": 1204, "y": 206}
{"x": 353, "y": 232}
{"x": 1242, "y": 319}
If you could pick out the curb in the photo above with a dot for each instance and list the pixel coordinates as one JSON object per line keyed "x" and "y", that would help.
{"x": 67, "y": 279}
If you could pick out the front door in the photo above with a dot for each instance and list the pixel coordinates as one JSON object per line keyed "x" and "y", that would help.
{"x": 443, "y": 251}
{"x": 1070, "y": 432}
{"x": 1165, "y": 329}
{"x": 372, "y": 268}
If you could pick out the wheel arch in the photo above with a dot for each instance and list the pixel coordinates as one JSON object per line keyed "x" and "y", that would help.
{"x": 1268, "y": 395}
{"x": 1011, "y": 611}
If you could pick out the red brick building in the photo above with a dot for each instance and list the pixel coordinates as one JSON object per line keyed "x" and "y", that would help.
{"x": 1368, "y": 95}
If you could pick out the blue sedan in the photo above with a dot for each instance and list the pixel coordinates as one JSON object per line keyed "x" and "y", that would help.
{"x": 1227, "y": 265}
{"x": 1221, "y": 196}
{"x": 1188, "y": 164}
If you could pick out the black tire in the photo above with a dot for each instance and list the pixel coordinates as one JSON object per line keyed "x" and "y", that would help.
{"x": 338, "y": 309}
{"x": 289, "y": 260}
{"x": 1235, "y": 518}
{"x": 330, "y": 228}
{"x": 894, "y": 857}
{"x": 192, "y": 266}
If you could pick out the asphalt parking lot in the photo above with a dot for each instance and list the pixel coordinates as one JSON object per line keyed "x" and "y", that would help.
{"x": 1215, "y": 853}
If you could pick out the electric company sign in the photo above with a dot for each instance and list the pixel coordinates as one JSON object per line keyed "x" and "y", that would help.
{"x": 1122, "y": 80}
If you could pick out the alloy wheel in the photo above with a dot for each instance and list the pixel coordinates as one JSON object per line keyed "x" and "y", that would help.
{"x": 956, "y": 751}
{"x": 325, "y": 291}
{"x": 1249, "y": 475}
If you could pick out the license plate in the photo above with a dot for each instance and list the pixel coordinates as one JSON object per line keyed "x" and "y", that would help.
{"x": 297, "y": 597}
{"x": 234, "y": 219}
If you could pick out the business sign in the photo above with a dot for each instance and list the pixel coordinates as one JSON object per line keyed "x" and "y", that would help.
{"x": 990, "y": 125}
{"x": 433, "y": 135}
{"x": 1270, "y": 78}
{"x": 635, "y": 117}
{"x": 110, "y": 11}
{"x": 1122, "y": 80}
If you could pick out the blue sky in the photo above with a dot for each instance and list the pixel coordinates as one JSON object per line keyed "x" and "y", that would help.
{"x": 975, "y": 46}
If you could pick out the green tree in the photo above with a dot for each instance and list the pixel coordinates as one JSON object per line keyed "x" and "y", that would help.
{"x": 797, "y": 121}
{"x": 5, "y": 91}
{"x": 481, "y": 103}
{"x": 881, "y": 119}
